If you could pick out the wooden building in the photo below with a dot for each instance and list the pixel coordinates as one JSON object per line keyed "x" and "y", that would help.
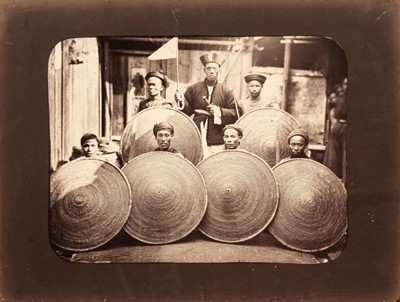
{"x": 95, "y": 84}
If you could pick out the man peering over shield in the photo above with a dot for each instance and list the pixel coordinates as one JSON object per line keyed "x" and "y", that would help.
{"x": 298, "y": 141}
{"x": 164, "y": 133}
{"x": 232, "y": 135}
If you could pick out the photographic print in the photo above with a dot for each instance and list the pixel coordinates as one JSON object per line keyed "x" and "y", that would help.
{"x": 198, "y": 149}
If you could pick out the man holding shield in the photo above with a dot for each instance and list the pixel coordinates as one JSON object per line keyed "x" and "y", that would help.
{"x": 212, "y": 103}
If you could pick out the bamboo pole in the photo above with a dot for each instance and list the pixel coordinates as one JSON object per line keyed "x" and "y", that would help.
{"x": 286, "y": 74}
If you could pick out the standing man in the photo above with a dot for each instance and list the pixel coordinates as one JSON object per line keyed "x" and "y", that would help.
{"x": 156, "y": 82}
{"x": 335, "y": 155}
{"x": 298, "y": 141}
{"x": 212, "y": 103}
{"x": 255, "y": 83}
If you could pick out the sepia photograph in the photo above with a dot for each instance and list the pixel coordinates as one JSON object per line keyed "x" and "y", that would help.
{"x": 198, "y": 149}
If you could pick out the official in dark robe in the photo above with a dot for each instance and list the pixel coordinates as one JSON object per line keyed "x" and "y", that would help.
{"x": 212, "y": 103}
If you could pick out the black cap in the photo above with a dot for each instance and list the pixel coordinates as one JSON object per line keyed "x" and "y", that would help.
{"x": 255, "y": 77}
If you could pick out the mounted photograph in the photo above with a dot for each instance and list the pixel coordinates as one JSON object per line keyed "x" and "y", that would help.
{"x": 198, "y": 149}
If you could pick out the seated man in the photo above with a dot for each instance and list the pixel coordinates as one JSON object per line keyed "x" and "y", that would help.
{"x": 164, "y": 133}
{"x": 232, "y": 135}
{"x": 90, "y": 147}
{"x": 156, "y": 82}
{"x": 298, "y": 141}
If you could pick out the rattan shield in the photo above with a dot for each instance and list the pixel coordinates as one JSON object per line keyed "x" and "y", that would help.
{"x": 312, "y": 213}
{"x": 138, "y": 137}
{"x": 169, "y": 197}
{"x": 265, "y": 133}
{"x": 242, "y": 196}
{"x": 90, "y": 201}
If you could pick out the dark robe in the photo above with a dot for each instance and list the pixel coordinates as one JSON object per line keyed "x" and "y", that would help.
{"x": 335, "y": 154}
{"x": 222, "y": 97}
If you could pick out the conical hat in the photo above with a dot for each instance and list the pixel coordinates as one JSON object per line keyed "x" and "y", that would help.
{"x": 312, "y": 213}
{"x": 242, "y": 195}
{"x": 90, "y": 201}
{"x": 169, "y": 197}
{"x": 138, "y": 137}
{"x": 265, "y": 133}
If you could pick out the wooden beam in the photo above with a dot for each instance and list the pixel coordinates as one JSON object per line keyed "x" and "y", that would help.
{"x": 181, "y": 41}
{"x": 130, "y": 52}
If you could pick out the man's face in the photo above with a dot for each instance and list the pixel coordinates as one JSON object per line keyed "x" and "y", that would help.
{"x": 297, "y": 144}
{"x": 211, "y": 70}
{"x": 154, "y": 86}
{"x": 254, "y": 88}
{"x": 231, "y": 138}
{"x": 90, "y": 147}
{"x": 164, "y": 138}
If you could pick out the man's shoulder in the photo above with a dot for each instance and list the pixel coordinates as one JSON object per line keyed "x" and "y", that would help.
{"x": 223, "y": 87}
{"x": 197, "y": 84}
{"x": 144, "y": 101}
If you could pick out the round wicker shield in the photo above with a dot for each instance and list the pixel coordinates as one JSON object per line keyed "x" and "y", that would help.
{"x": 90, "y": 201}
{"x": 265, "y": 133}
{"x": 312, "y": 213}
{"x": 169, "y": 197}
{"x": 138, "y": 137}
{"x": 242, "y": 195}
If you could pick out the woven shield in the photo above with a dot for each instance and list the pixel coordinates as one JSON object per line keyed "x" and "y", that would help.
{"x": 312, "y": 213}
{"x": 265, "y": 133}
{"x": 90, "y": 201}
{"x": 138, "y": 137}
{"x": 242, "y": 195}
{"x": 169, "y": 197}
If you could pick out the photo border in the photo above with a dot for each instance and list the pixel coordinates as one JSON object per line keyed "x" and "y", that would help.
{"x": 367, "y": 268}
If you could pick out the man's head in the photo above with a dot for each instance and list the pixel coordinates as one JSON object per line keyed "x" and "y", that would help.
{"x": 212, "y": 63}
{"x": 155, "y": 83}
{"x": 232, "y": 135}
{"x": 90, "y": 144}
{"x": 255, "y": 84}
{"x": 298, "y": 140}
{"x": 163, "y": 133}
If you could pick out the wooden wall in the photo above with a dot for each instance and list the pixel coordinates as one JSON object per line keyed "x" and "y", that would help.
{"x": 74, "y": 96}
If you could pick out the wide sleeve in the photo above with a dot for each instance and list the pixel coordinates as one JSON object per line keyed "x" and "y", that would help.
{"x": 189, "y": 101}
{"x": 228, "y": 108}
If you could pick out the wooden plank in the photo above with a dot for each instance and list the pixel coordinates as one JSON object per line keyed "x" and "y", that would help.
{"x": 119, "y": 77}
{"x": 108, "y": 88}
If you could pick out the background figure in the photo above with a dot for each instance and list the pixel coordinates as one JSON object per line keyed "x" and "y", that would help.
{"x": 335, "y": 154}
{"x": 211, "y": 102}
{"x": 156, "y": 82}
{"x": 91, "y": 147}
{"x": 164, "y": 133}
{"x": 298, "y": 141}
{"x": 255, "y": 83}
{"x": 232, "y": 135}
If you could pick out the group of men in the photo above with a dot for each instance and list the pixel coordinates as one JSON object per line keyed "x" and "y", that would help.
{"x": 215, "y": 110}
{"x": 211, "y": 103}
